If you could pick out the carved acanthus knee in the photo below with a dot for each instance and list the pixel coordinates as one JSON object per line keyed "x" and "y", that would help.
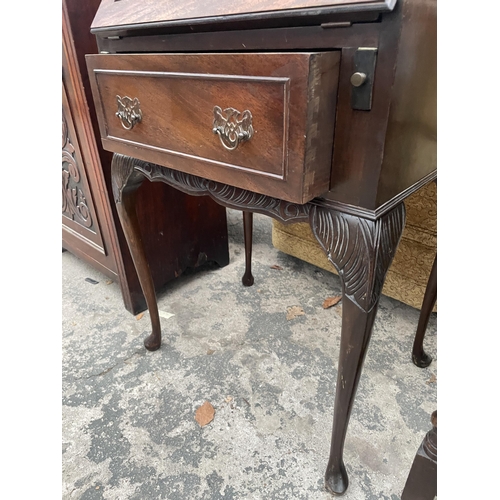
{"x": 360, "y": 249}
{"x": 124, "y": 176}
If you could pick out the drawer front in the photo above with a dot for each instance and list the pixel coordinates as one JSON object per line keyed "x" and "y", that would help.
{"x": 262, "y": 122}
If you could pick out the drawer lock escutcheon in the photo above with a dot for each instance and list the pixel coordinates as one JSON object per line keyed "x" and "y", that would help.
{"x": 232, "y": 126}
{"x": 129, "y": 111}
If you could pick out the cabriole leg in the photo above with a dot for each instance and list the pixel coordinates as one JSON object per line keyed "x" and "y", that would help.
{"x": 356, "y": 333}
{"x": 126, "y": 181}
{"x": 362, "y": 251}
{"x": 419, "y": 357}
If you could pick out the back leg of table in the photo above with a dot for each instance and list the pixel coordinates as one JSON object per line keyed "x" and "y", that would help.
{"x": 419, "y": 356}
{"x": 248, "y": 230}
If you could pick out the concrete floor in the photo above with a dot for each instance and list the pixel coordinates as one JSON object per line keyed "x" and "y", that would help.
{"x": 128, "y": 415}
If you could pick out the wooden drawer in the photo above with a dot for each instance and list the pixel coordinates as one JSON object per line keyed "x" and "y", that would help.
{"x": 262, "y": 122}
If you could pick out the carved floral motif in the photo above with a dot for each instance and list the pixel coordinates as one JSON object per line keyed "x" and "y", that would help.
{"x": 74, "y": 203}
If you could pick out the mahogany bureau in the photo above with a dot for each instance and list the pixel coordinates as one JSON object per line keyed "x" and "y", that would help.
{"x": 305, "y": 110}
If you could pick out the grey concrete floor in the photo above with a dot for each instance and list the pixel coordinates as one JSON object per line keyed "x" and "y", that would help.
{"x": 128, "y": 415}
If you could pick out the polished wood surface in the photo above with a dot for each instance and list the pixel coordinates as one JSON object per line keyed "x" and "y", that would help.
{"x": 291, "y": 98}
{"x": 411, "y": 136}
{"x": 370, "y": 170}
{"x": 112, "y": 14}
{"x": 355, "y": 209}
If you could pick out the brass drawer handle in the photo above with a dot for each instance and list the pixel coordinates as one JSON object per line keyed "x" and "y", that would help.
{"x": 129, "y": 111}
{"x": 232, "y": 126}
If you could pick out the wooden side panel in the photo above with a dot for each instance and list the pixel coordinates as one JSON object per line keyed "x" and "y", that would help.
{"x": 360, "y": 135}
{"x": 411, "y": 140}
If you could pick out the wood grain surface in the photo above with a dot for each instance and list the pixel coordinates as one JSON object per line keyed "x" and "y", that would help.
{"x": 291, "y": 98}
{"x": 124, "y": 12}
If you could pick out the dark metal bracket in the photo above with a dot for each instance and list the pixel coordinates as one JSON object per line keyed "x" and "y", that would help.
{"x": 365, "y": 59}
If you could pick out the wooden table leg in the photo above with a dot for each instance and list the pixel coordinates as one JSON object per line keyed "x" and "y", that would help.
{"x": 362, "y": 251}
{"x": 248, "y": 230}
{"x": 419, "y": 357}
{"x": 125, "y": 182}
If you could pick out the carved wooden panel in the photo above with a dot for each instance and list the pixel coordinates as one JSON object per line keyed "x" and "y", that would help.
{"x": 230, "y": 196}
{"x": 79, "y": 216}
{"x": 74, "y": 201}
{"x": 86, "y": 214}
